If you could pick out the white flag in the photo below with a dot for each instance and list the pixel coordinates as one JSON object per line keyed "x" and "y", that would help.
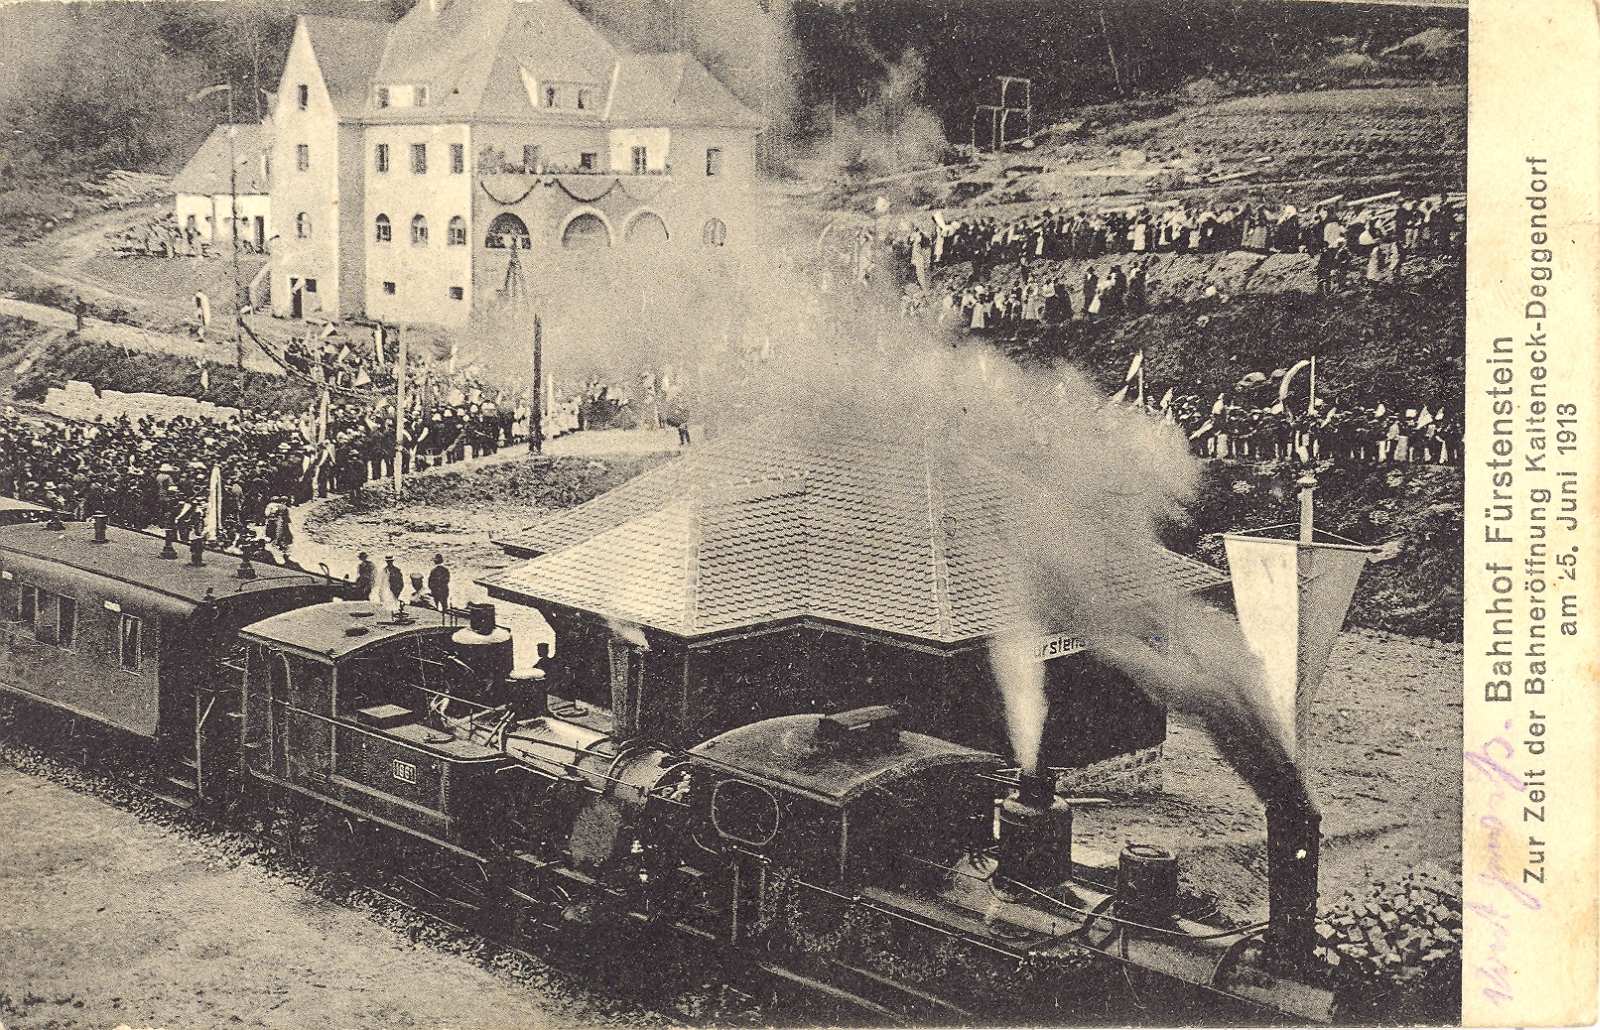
{"x": 1134, "y": 366}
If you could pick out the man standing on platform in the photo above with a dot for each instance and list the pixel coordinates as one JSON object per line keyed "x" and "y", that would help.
{"x": 439, "y": 583}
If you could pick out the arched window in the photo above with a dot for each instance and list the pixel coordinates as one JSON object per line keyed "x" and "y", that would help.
{"x": 385, "y": 232}
{"x": 302, "y": 225}
{"x": 457, "y": 233}
{"x": 507, "y": 231}
{"x": 647, "y": 231}
{"x": 715, "y": 234}
{"x": 586, "y": 232}
{"x": 419, "y": 231}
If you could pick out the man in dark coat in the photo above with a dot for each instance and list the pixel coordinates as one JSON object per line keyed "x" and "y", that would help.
{"x": 439, "y": 583}
{"x": 361, "y": 589}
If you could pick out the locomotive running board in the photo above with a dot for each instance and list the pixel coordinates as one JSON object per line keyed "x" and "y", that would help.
{"x": 362, "y": 813}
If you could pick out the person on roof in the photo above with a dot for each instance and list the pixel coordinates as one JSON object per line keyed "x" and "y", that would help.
{"x": 439, "y": 583}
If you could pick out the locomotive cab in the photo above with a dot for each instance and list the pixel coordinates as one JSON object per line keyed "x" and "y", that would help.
{"x": 363, "y": 709}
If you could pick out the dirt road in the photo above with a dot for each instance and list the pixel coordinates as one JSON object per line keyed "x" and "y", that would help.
{"x": 108, "y": 920}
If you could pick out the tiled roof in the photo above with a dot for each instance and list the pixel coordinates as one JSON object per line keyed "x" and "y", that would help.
{"x": 206, "y": 173}
{"x": 472, "y": 56}
{"x": 748, "y": 529}
{"x": 348, "y": 51}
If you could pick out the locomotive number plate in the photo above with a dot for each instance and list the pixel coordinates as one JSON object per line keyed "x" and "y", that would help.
{"x": 405, "y": 772}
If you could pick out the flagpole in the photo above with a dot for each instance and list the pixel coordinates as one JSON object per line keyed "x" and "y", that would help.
{"x": 1141, "y": 380}
{"x": 399, "y": 407}
{"x": 1311, "y": 405}
{"x": 536, "y": 395}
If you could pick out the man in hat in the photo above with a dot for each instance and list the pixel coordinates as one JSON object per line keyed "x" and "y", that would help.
{"x": 394, "y": 582}
{"x": 439, "y": 583}
{"x": 361, "y": 589}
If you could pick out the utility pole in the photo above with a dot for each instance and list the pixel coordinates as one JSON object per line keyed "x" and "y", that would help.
{"x": 536, "y": 397}
{"x": 399, "y": 407}
{"x": 233, "y": 226}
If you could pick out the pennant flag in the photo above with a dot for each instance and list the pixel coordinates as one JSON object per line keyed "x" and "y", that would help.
{"x": 1134, "y": 366}
{"x": 1288, "y": 377}
{"x": 1166, "y": 399}
{"x": 1216, "y": 409}
{"x": 1205, "y": 427}
{"x": 362, "y": 379}
{"x": 213, "y": 524}
{"x": 1276, "y": 409}
{"x": 1119, "y": 397}
{"x": 1380, "y": 411}
{"x": 1327, "y": 418}
{"x": 1424, "y": 418}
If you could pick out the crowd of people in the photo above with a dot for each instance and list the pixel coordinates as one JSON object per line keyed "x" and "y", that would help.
{"x": 1251, "y": 431}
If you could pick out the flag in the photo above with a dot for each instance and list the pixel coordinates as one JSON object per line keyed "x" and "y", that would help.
{"x": 1134, "y": 366}
{"x": 213, "y": 524}
{"x": 1216, "y": 409}
{"x": 377, "y": 346}
{"x": 451, "y": 368}
{"x": 1205, "y": 427}
{"x": 1424, "y": 417}
{"x": 1380, "y": 411}
{"x": 1276, "y": 409}
{"x": 1119, "y": 397}
{"x": 1283, "y": 387}
{"x": 362, "y": 379}
{"x": 1166, "y": 399}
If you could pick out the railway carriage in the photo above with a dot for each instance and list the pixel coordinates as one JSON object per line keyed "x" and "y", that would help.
{"x": 117, "y": 629}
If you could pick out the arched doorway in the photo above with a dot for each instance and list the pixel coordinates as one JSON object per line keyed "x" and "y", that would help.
{"x": 647, "y": 231}
{"x": 507, "y": 231}
{"x": 586, "y": 232}
{"x": 714, "y": 233}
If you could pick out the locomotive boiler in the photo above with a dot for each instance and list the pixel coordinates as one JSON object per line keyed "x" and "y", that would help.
{"x": 909, "y": 873}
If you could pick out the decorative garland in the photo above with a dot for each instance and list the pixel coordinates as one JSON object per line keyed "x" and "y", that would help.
{"x": 603, "y": 194}
{"x": 660, "y": 189}
{"x": 561, "y": 181}
{"x": 507, "y": 203}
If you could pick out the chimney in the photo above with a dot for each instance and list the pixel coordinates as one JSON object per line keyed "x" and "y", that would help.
{"x": 1294, "y": 843}
{"x": 627, "y": 687}
{"x": 99, "y": 523}
{"x": 197, "y": 552}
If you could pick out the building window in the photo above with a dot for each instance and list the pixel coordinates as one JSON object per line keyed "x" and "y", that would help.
{"x": 43, "y": 616}
{"x": 586, "y": 232}
{"x": 507, "y": 231}
{"x": 388, "y": 288}
{"x": 302, "y": 96}
{"x": 457, "y": 293}
{"x": 66, "y": 621}
{"x": 458, "y": 158}
{"x": 641, "y": 160}
{"x": 549, "y": 96}
{"x": 587, "y": 160}
{"x": 130, "y": 638}
{"x": 27, "y": 605}
{"x": 715, "y": 234}
{"x": 714, "y": 161}
{"x": 530, "y": 158}
{"x": 419, "y": 158}
{"x": 420, "y": 96}
{"x": 456, "y": 232}
{"x": 302, "y": 226}
{"x": 383, "y": 96}
{"x": 302, "y": 157}
{"x": 385, "y": 231}
{"x": 380, "y": 157}
{"x": 309, "y": 285}
{"x": 585, "y": 99}
{"x": 419, "y": 230}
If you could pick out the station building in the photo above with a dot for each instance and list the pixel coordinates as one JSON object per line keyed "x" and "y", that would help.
{"x": 755, "y": 577}
{"x": 411, "y": 159}
{"x": 206, "y": 194}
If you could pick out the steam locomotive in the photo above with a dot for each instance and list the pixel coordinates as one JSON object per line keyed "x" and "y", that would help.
{"x": 907, "y": 872}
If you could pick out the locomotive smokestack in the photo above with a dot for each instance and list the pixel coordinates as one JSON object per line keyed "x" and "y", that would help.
{"x": 1294, "y": 843}
{"x": 1035, "y": 837}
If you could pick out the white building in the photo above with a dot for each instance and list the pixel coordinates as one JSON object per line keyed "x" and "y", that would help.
{"x": 410, "y": 158}
{"x": 206, "y": 193}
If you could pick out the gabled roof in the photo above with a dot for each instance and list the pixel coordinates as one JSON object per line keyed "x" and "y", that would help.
{"x": 206, "y": 173}
{"x": 473, "y": 54}
{"x": 347, "y": 52}
{"x": 748, "y": 530}
{"x": 673, "y": 89}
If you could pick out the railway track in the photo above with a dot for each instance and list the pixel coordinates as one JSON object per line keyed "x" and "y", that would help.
{"x": 713, "y": 988}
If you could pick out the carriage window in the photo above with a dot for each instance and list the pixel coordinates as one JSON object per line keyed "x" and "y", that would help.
{"x": 66, "y": 621}
{"x": 27, "y": 604}
{"x": 129, "y": 640}
{"x": 44, "y": 616}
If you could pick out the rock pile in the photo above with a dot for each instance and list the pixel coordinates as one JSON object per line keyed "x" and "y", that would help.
{"x": 1400, "y": 943}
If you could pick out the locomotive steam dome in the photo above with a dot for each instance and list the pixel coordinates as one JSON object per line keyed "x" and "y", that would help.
{"x": 482, "y": 646}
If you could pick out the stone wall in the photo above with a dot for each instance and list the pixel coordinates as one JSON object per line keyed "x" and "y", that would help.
{"x": 78, "y": 400}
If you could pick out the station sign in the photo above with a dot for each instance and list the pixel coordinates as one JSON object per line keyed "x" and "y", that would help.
{"x": 1056, "y": 645}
